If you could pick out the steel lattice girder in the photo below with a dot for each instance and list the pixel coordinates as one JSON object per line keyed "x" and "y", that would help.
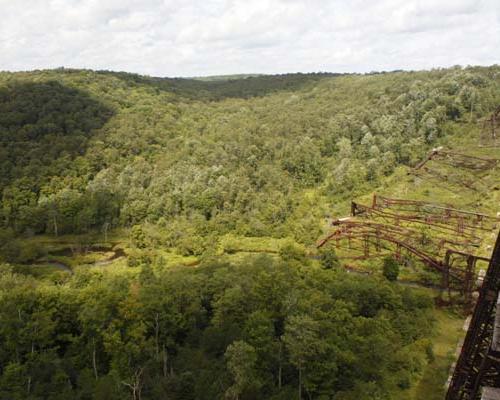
{"x": 404, "y": 238}
{"x": 450, "y": 257}
{"x": 479, "y": 362}
{"x": 490, "y": 126}
{"x": 443, "y": 218}
{"x": 458, "y": 160}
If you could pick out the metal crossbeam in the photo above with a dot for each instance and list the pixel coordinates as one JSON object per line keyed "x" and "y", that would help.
{"x": 447, "y": 250}
{"x": 479, "y": 363}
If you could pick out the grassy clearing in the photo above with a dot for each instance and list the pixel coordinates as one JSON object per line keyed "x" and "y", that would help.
{"x": 117, "y": 236}
{"x": 234, "y": 244}
{"x": 486, "y": 199}
{"x": 431, "y": 386}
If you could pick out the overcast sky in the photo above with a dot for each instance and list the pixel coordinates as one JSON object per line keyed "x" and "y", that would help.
{"x": 212, "y": 37}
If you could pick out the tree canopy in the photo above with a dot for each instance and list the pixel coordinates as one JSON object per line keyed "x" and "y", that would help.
{"x": 262, "y": 329}
{"x": 80, "y": 150}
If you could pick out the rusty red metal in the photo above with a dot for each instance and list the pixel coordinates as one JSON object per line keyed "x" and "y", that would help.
{"x": 478, "y": 365}
{"x": 458, "y": 160}
{"x": 442, "y": 217}
{"x": 452, "y": 167}
{"x": 490, "y": 130}
{"x": 388, "y": 226}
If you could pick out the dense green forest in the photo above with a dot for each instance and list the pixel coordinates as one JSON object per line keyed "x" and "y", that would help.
{"x": 83, "y": 151}
{"x": 253, "y": 331}
{"x": 169, "y": 170}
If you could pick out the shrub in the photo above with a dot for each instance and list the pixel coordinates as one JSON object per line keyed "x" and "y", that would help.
{"x": 390, "y": 269}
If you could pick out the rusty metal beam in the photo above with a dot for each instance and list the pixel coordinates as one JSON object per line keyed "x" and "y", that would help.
{"x": 479, "y": 362}
{"x": 354, "y": 230}
{"x": 441, "y": 223}
{"x": 457, "y": 160}
{"x": 490, "y": 128}
{"x": 444, "y": 211}
{"x": 456, "y": 265}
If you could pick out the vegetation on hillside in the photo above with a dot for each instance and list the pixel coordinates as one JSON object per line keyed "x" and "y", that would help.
{"x": 82, "y": 151}
{"x": 164, "y": 172}
{"x": 262, "y": 329}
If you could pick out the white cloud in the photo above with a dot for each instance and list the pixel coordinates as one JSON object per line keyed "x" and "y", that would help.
{"x": 194, "y": 37}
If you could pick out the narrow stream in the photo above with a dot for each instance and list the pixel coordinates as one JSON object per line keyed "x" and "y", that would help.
{"x": 65, "y": 267}
{"x": 118, "y": 253}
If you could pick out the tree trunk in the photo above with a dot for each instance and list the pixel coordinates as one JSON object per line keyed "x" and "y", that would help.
{"x": 94, "y": 362}
{"x": 165, "y": 360}
{"x": 105, "y": 228}
{"x": 280, "y": 366}
{"x": 157, "y": 334}
{"x": 471, "y": 105}
{"x": 136, "y": 385}
{"x": 55, "y": 225}
{"x": 300, "y": 383}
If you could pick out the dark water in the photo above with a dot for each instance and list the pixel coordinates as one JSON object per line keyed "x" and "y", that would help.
{"x": 68, "y": 252}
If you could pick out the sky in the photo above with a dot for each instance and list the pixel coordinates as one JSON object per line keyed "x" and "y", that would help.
{"x": 216, "y": 37}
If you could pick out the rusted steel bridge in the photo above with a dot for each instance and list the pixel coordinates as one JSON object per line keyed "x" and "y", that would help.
{"x": 440, "y": 236}
{"x": 458, "y": 160}
{"x": 477, "y": 372}
{"x": 445, "y": 218}
{"x": 445, "y": 239}
{"x": 460, "y": 169}
{"x": 490, "y": 130}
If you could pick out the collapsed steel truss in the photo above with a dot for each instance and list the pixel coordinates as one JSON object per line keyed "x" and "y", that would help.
{"x": 491, "y": 126}
{"x": 448, "y": 250}
{"x": 444, "y": 218}
{"x": 455, "y": 162}
{"x": 478, "y": 365}
{"x": 458, "y": 160}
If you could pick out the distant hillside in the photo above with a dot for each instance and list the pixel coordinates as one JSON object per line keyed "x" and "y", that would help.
{"x": 225, "y": 77}
{"x": 254, "y": 156}
{"x": 157, "y": 236}
{"x": 221, "y": 87}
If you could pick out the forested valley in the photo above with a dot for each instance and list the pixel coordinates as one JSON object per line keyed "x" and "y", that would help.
{"x": 157, "y": 235}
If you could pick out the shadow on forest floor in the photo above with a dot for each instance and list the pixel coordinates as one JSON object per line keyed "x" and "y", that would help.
{"x": 42, "y": 122}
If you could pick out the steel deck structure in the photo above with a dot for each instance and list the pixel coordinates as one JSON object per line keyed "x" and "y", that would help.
{"x": 459, "y": 169}
{"x": 489, "y": 135}
{"x": 478, "y": 365}
{"x": 442, "y": 237}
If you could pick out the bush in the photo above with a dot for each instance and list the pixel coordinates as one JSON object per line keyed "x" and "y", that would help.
{"x": 30, "y": 252}
{"x": 292, "y": 252}
{"x": 10, "y": 251}
{"x": 390, "y": 269}
{"x": 328, "y": 259}
{"x": 138, "y": 237}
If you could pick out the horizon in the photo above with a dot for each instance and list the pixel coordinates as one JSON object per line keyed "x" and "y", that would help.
{"x": 164, "y": 39}
{"x": 245, "y": 75}
{"x": 225, "y": 234}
